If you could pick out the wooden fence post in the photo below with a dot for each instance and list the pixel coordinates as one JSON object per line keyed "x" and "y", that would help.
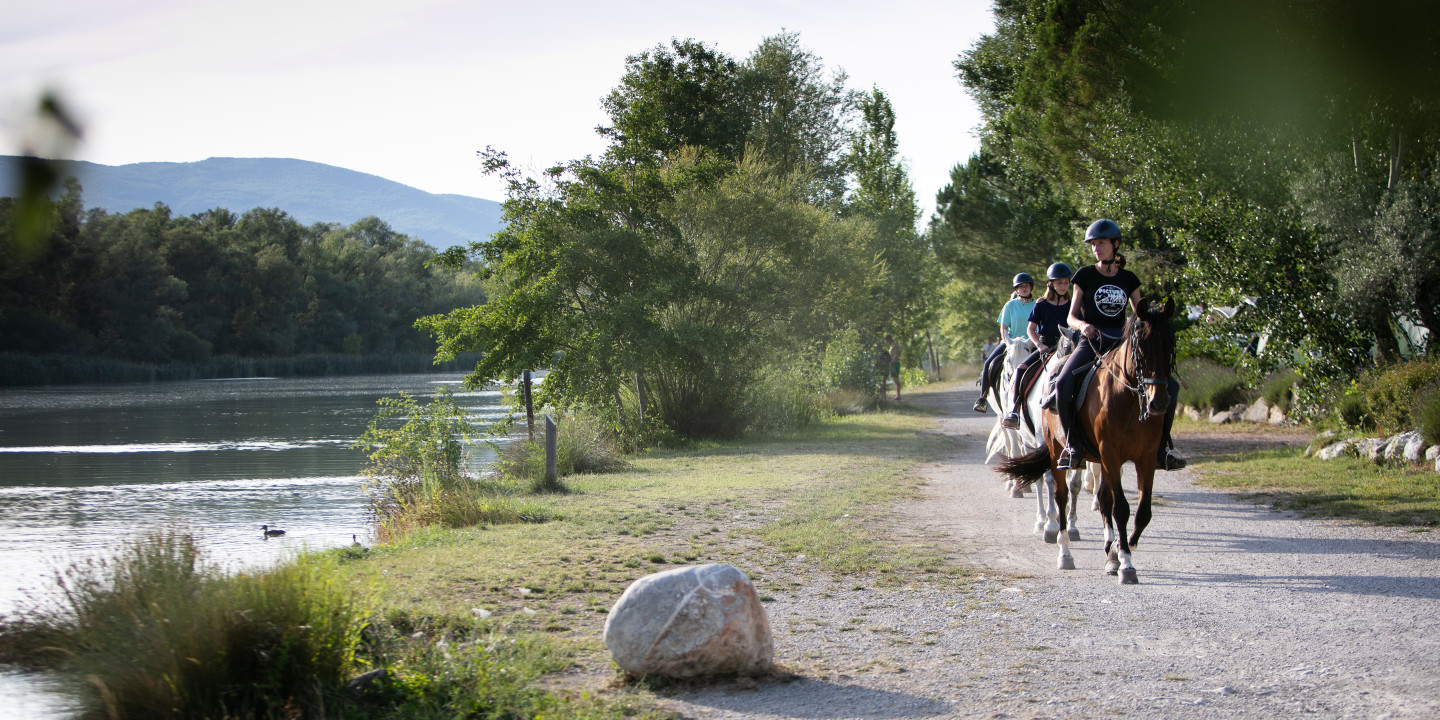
{"x": 551, "y": 476}
{"x": 529, "y": 407}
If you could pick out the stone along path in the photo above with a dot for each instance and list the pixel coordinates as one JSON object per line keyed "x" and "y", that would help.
{"x": 1241, "y": 613}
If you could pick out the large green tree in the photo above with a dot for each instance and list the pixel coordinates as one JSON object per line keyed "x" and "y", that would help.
{"x": 1218, "y": 134}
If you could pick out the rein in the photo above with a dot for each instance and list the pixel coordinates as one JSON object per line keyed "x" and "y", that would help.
{"x": 1142, "y": 384}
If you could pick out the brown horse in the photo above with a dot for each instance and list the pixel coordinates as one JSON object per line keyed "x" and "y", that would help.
{"x": 1121, "y": 420}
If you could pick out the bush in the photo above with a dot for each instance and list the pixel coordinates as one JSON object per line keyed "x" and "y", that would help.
{"x": 848, "y": 402}
{"x": 583, "y": 444}
{"x": 1278, "y": 389}
{"x": 417, "y": 476}
{"x": 1427, "y": 412}
{"x": 156, "y": 636}
{"x": 849, "y": 364}
{"x": 1392, "y": 393}
{"x": 914, "y": 377}
{"x": 782, "y": 398}
{"x": 1207, "y": 384}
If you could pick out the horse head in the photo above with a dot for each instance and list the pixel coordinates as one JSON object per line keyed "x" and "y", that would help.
{"x": 1152, "y": 355}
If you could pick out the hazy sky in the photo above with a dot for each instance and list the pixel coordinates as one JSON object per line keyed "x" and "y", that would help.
{"x": 410, "y": 90}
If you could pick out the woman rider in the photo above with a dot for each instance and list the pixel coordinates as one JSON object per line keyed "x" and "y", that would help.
{"x": 1049, "y": 314}
{"x": 1013, "y": 319}
{"x": 1101, "y": 293}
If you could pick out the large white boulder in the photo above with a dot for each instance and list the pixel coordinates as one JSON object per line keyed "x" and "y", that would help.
{"x": 690, "y": 622}
{"x": 1334, "y": 450}
{"x": 1370, "y": 448}
{"x": 1277, "y": 416}
{"x": 1394, "y": 450}
{"x": 1257, "y": 413}
{"x": 1415, "y": 448}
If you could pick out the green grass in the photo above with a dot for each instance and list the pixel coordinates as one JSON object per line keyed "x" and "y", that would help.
{"x": 1343, "y": 487}
{"x": 506, "y": 620}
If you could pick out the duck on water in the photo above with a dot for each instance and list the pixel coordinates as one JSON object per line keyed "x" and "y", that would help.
{"x": 271, "y": 533}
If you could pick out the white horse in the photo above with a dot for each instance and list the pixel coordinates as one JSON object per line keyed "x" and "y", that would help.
{"x": 1016, "y": 442}
{"x": 1029, "y": 436}
{"x": 1002, "y": 440}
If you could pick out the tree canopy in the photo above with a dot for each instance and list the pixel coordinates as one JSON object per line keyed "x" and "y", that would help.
{"x": 1267, "y": 153}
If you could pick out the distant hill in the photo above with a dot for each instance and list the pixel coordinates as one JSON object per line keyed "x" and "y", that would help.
{"x": 310, "y": 192}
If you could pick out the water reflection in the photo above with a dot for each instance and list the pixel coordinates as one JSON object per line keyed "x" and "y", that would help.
{"x": 82, "y": 468}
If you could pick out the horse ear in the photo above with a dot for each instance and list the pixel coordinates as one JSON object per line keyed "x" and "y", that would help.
{"x": 1143, "y": 308}
{"x": 1169, "y": 307}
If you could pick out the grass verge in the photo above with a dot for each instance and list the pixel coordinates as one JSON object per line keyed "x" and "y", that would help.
{"x": 1343, "y": 487}
{"x": 506, "y": 620}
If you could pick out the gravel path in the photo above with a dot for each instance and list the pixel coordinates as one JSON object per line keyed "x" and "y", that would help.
{"x": 1241, "y": 613}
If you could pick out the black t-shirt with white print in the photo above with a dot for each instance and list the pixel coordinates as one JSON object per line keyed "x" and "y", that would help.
{"x": 1105, "y": 297}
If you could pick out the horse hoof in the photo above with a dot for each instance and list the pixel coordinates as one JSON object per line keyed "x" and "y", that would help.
{"x": 1052, "y": 536}
{"x": 1067, "y": 563}
{"x": 1017, "y": 493}
{"x": 1112, "y": 567}
{"x": 1073, "y": 533}
{"x": 1128, "y": 577}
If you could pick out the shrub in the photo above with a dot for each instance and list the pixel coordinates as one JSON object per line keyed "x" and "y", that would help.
{"x": 156, "y": 636}
{"x": 849, "y": 364}
{"x": 848, "y": 402}
{"x": 583, "y": 444}
{"x": 1392, "y": 393}
{"x": 1278, "y": 388}
{"x": 1427, "y": 412}
{"x": 914, "y": 377}
{"x": 416, "y": 471}
{"x": 782, "y": 398}
{"x": 1208, "y": 384}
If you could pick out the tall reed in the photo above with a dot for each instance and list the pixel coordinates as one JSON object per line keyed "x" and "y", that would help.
{"x": 153, "y": 634}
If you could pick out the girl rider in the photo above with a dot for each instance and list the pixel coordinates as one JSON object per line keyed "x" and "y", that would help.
{"x": 1049, "y": 314}
{"x": 1013, "y": 320}
{"x": 1101, "y": 293}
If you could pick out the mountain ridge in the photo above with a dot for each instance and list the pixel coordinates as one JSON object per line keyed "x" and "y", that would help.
{"x": 310, "y": 192}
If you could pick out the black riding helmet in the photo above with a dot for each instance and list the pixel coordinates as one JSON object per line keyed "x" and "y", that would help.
{"x": 1021, "y": 279}
{"x": 1059, "y": 271}
{"x": 1103, "y": 229}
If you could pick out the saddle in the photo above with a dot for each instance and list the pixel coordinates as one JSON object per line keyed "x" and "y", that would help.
{"x": 1085, "y": 374}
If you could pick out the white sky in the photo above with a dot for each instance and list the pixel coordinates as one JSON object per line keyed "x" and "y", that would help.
{"x": 410, "y": 90}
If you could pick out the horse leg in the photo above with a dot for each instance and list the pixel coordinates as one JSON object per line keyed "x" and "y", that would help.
{"x": 1076, "y": 479}
{"x": 1045, "y": 507}
{"x": 1145, "y": 479}
{"x": 1112, "y": 560}
{"x": 1066, "y": 561}
{"x": 1120, "y": 511}
{"x": 1092, "y": 483}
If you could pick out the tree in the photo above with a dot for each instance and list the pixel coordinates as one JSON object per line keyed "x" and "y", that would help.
{"x": 905, "y": 299}
{"x": 689, "y": 95}
{"x": 1211, "y": 131}
{"x": 798, "y": 116}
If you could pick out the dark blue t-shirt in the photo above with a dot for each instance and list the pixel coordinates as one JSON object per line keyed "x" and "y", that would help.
{"x": 1049, "y": 318}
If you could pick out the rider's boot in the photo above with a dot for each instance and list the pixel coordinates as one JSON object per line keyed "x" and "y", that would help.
{"x": 1065, "y": 408}
{"x": 1012, "y": 418}
{"x": 1167, "y": 460}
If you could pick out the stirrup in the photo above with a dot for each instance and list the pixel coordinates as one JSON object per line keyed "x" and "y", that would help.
{"x": 981, "y": 406}
{"x": 1171, "y": 461}
{"x": 1011, "y": 421}
{"x": 1067, "y": 459}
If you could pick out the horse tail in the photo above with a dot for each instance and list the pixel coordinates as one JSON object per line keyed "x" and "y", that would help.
{"x": 1026, "y": 469}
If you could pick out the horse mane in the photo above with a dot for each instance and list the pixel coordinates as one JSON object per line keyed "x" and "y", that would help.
{"x": 1154, "y": 327}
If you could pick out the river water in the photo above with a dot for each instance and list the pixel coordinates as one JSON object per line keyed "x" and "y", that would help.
{"x": 84, "y": 468}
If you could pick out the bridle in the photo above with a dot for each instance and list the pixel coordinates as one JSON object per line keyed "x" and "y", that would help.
{"x": 1143, "y": 385}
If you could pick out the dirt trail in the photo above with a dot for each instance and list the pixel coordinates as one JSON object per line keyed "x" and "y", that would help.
{"x": 1241, "y": 613}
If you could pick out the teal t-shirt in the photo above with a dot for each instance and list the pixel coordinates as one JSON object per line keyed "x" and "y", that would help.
{"x": 1015, "y": 316}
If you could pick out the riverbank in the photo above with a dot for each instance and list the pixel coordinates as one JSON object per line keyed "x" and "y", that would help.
{"x": 901, "y": 581}
{"x": 29, "y": 370}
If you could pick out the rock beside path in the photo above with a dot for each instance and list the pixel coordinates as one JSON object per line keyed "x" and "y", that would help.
{"x": 690, "y": 622}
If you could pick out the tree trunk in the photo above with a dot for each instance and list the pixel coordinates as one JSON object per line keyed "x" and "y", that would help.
{"x": 1385, "y": 341}
{"x": 1397, "y": 156}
